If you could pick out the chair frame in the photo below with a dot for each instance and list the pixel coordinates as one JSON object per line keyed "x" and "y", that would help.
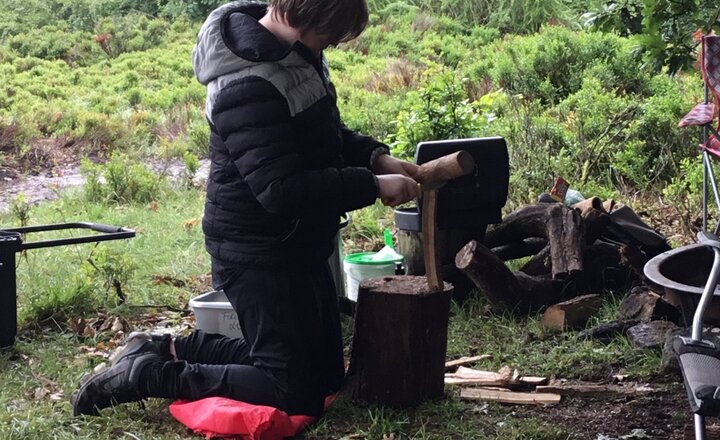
{"x": 710, "y": 138}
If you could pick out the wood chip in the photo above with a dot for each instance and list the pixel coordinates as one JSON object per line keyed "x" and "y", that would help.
{"x": 466, "y": 360}
{"x": 533, "y": 380}
{"x": 507, "y": 396}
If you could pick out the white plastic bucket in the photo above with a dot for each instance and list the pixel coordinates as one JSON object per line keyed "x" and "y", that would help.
{"x": 215, "y": 314}
{"x": 357, "y": 270}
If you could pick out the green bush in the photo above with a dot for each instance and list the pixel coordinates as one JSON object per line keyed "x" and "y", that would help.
{"x": 666, "y": 29}
{"x": 121, "y": 180}
{"x": 527, "y": 16}
{"x": 129, "y": 33}
{"x": 199, "y": 137}
{"x": 551, "y": 64}
{"x": 439, "y": 109}
{"x": 57, "y": 41}
{"x": 197, "y": 10}
{"x": 515, "y": 16}
{"x": 539, "y": 145}
{"x": 684, "y": 194}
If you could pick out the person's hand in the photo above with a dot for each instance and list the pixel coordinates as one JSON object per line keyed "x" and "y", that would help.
{"x": 396, "y": 189}
{"x": 386, "y": 164}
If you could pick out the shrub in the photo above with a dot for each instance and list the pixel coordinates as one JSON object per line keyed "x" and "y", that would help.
{"x": 56, "y": 41}
{"x": 684, "y": 194}
{"x": 666, "y": 29}
{"x": 439, "y": 109}
{"x": 129, "y": 33}
{"x": 121, "y": 180}
{"x": 196, "y": 10}
{"x": 199, "y": 137}
{"x": 110, "y": 270}
{"x": 551, "y": 64}
{"x": 539, "y": 146}
{"x": 527, "y": 16}
{"x": 102, "y": 132}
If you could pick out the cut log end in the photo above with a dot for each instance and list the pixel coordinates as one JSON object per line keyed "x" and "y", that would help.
{"x": 402, "y": 285}
{"x": 464, "y": 257}
{"x": 573, "y": 313}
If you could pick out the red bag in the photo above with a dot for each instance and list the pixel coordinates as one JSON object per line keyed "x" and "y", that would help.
{"x": 232, "y": 419}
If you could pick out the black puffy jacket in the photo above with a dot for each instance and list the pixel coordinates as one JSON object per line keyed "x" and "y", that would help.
{"x": 283, "y": 166}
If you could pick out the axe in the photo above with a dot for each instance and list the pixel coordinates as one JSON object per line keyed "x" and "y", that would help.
{"x": 431, "y": 176}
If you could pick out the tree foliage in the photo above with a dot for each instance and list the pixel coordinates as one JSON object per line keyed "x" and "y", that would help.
{"x": 666, "y": 29}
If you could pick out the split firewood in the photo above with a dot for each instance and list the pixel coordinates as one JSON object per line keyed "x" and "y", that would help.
{"x": 466, "y": 360}
{"x": 505, "y": 378}
{"x": 566, "y": 234}
{"x": 594, "y": 390}
{"x": 506, "y": 396}
{"x": 645, "y": 305}
{"x": 650, "y": 335}
{"x": 467, "y": 376}
{"x": 533, "y": 381}
{"x": 570, "y": 314}
{"x": 604, "y": 267}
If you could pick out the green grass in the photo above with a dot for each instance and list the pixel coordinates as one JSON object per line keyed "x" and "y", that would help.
{"x": 56, "y": 285}
{"x": 168, "y": 243}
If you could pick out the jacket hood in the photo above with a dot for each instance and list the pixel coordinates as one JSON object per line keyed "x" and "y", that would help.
{"x": 232, "y": 38}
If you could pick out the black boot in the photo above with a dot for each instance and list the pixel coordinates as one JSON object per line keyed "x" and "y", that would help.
{"x": 121, "y": 383}
{"x": 143, "y": 342}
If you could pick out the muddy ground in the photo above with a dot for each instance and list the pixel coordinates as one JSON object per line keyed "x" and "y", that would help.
{"x": 45, "y": 183}
{"x": 661, "y": 414}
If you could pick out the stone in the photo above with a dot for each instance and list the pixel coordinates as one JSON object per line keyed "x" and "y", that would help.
{"x": 650, "y": 334}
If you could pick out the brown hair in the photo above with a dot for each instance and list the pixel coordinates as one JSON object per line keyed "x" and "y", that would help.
{"x": 341, "y": 20}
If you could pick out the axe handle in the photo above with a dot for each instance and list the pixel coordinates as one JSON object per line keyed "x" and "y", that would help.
{"x": 431, "y": 176}
{"x": 433, "y": 270}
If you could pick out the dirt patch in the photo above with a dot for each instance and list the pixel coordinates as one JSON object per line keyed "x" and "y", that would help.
{"x": 47, "y": 175}
{"x": 661, "y": 414}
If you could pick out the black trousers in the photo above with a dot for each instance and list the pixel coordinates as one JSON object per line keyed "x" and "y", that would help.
{"x": 291, "y": 356}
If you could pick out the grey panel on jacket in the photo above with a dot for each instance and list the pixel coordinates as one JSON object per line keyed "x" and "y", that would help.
{"x": 217, "y": 66}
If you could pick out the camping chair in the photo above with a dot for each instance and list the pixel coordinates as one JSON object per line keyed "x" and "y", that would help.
{"x": 699, "y": 358}
{"x": 703, "y": 115}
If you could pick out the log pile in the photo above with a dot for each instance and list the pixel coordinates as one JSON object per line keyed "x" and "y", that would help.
{"x": 566, "y": 258}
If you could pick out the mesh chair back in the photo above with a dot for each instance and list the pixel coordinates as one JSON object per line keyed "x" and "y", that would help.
{"x": 711, "y": 75}
{"x": 711, "y": 64}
